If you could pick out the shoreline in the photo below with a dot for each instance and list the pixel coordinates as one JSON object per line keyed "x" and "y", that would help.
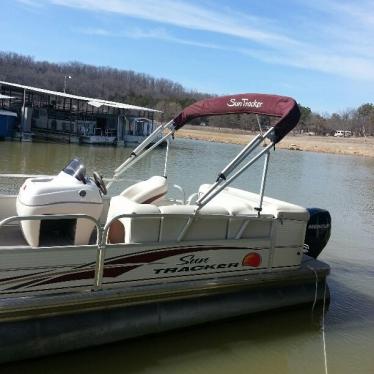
{"x": 321, "y": 144}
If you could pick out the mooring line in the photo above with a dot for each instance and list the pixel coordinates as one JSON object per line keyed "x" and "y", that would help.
{"x": 323, "y": 328}
{"x": 323, "y": 315}
{"x": 316, "y": 290}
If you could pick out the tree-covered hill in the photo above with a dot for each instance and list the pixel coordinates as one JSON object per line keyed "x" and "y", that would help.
{"x": 163, "y": 94}
{"x": 99, "y": 82}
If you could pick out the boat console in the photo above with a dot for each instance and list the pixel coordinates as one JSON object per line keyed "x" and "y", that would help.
{"x": 70, "y": 192}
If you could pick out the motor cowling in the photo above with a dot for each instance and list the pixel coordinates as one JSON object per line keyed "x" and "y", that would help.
{"x": 318, "y": 231}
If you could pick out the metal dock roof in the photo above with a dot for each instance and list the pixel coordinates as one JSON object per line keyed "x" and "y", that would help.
{"x": 91, "y": 101}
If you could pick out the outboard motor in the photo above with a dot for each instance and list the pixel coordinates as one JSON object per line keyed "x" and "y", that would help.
{"x": 318, "y": 231}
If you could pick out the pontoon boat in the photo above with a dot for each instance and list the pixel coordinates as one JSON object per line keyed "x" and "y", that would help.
{"x": 79, "y": 268}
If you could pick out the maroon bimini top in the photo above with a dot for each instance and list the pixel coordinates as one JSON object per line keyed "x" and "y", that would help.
{"x": 271, "y": 105}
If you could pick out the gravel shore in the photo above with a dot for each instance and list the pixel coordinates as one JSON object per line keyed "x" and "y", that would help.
{"x": 325, "y": 144}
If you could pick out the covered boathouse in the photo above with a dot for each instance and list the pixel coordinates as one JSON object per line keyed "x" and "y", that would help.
{"x": 40, "y": 114}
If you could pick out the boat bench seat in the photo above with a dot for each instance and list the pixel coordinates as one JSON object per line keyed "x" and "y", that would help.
{"x": 208, "y": 224}
{"x": 240, "y": 226}
{"x": 290, "y": 217}
{"x": 276, "y": 208}
{"x": 132, "y": 230}
{"x": 220, "y": 219}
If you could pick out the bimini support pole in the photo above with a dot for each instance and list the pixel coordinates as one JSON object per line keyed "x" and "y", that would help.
{"x": 133, "y": 159}
{"x": 150, "y": 138}
{"x": 141, "y": 150}
{"x": 166, "y": 158}
{"x": 240, "y": 157}
{"x": 244, "y": 153}
{"x": 237, "y": 160}
{"x": 208, "y": 196}
{"x": 247, "y": 150}
{"x": 263, "y": 182}
{"x": 144, "y": 144}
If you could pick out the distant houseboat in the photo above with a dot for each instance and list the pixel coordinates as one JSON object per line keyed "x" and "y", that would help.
{"x": 97, "y": 135}
{"x": 137, "y": 129}
{"x": 44, "y": 115}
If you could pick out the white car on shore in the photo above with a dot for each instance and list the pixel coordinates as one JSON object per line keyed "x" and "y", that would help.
{"x": 342, "y": 133}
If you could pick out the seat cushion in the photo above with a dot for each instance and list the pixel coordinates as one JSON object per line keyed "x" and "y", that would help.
{"x": 136, "y": 230}
{"x": 210, "y": 223}
{"x": 276, "y": 208}
{"x": 148, "y": 191}
{"x": 172, "y": 225}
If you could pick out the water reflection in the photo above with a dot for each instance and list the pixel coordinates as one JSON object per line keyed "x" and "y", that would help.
{"x": 235, "y": 345}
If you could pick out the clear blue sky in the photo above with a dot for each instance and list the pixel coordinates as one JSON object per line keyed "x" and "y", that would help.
{"x": 321, "y": 52}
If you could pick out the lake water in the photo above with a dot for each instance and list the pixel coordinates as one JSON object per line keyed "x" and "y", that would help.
{"x": 276, "y": 342}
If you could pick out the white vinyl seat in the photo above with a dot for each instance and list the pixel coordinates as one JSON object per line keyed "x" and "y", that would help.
{"x": 210, "y": 223}
{"x": 175, "y": 219}
{"x": 290, "y": 217}
{"x": 236, "y": 207}
{"x": 148, "y": 191}
{"x": 276, "y": 208}
{"x": 132, "y": 230}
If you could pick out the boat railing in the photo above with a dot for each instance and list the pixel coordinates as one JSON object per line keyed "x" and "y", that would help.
{"x": 12, "y": 187}
{"x": 24, "y": 176}
{"x": 99, "y": 242}
{"x": 189, "y": 217}
{"x": 102, "y": 231}
{"x": 38, "y": 217}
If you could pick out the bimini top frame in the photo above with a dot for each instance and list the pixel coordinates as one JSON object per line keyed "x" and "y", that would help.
{"x": 283, "y": 107}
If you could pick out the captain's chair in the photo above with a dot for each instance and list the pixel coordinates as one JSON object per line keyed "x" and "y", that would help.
{"x": 148, "y": 191}
{"x": 137, "y": 198}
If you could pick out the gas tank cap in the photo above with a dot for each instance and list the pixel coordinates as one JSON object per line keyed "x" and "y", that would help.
{"x": 82, "y": 193}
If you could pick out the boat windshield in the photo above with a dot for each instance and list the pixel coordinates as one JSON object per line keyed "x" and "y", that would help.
{"x": 76, "y": 169}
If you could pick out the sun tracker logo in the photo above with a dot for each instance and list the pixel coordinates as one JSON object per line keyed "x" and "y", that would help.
{"x": 244, "y": 103}
{"x": 193, "y": 263}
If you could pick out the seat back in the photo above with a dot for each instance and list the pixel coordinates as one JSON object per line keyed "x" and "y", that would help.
{"x": 174, "y": 221}
{"x": 210, "y": 224}
{"x": 148, "y": 191}
{"x": 133, "y": 230}
{"x": 207, "y": 224}
{"x": 236, "y": 207}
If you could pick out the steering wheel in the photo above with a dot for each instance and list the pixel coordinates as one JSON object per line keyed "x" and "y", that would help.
{"x": 100, "y": 183}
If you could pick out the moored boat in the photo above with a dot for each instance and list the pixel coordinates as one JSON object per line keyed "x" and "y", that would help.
{"x": 140, "y": 262}
{"x": 137, "y": 129}
{"x": 98, "y": 136}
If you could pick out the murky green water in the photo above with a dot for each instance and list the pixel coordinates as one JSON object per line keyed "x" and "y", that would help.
{"x": 282, "y": 342}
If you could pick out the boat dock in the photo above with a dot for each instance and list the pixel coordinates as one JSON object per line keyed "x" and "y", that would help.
{"x": 35, "y": 114}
